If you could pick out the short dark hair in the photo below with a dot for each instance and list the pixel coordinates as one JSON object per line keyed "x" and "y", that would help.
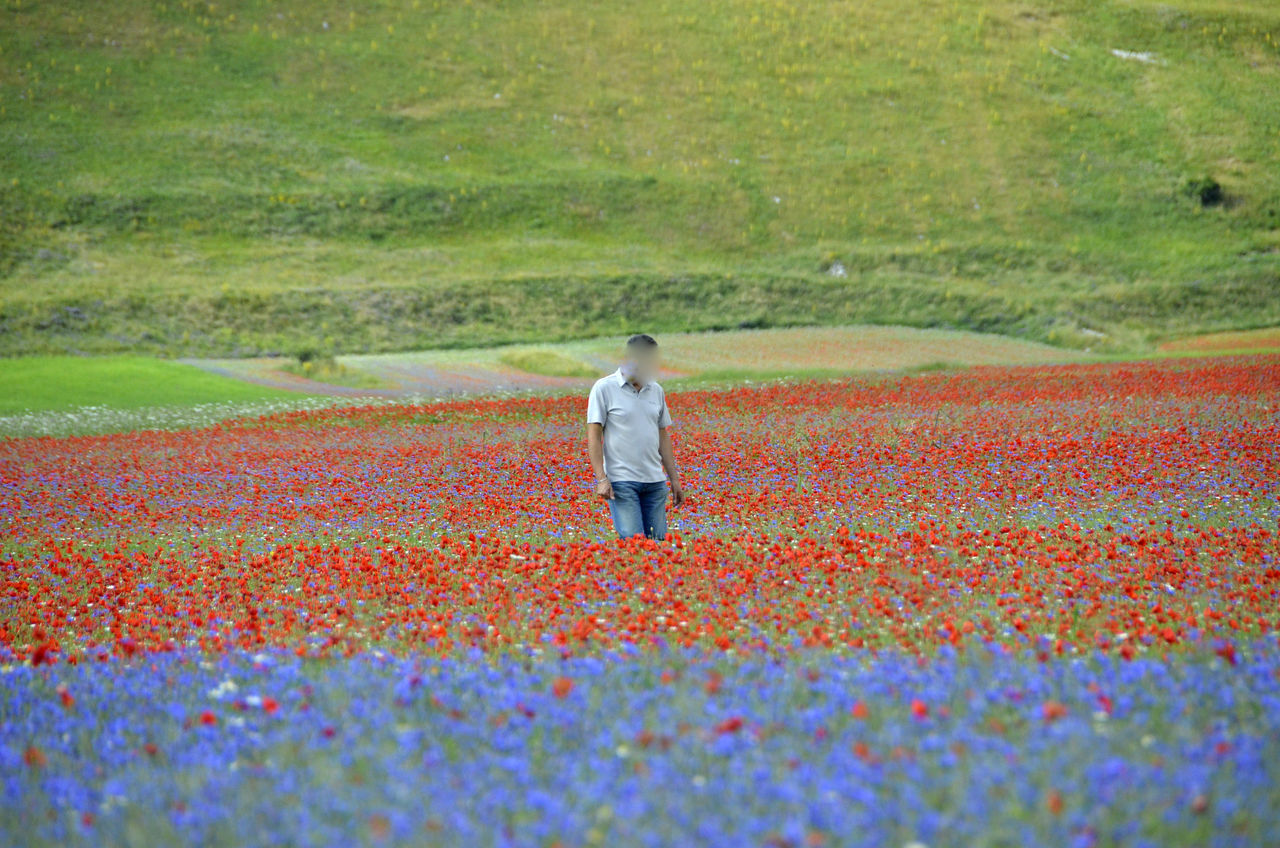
{"x": 642, "y": 340}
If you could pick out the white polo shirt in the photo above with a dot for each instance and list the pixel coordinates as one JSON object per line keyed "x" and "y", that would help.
{"x": 631, "y": 422}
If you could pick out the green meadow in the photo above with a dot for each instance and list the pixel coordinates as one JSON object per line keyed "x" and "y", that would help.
{"x": 245, "y": 178}
{"x": 120, "y": 382}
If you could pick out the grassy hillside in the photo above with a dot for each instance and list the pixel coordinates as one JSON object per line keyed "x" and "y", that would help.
{"x": 236, "y": 178}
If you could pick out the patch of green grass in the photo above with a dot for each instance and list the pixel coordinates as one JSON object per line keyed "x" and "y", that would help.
{"x": 193, "y": 179}
{"x": 33, "y": 383}
{"x": 549, "y": 363}
{"x": 326, "y": 369}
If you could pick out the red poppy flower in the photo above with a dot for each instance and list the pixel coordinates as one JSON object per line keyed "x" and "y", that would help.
{"x": 1051, "y": 711}
{"x": 34, "y": 757}
{"x": 729, "y": 725}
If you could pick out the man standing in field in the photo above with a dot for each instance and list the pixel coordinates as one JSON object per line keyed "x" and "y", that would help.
{"x": 629, "y": 443}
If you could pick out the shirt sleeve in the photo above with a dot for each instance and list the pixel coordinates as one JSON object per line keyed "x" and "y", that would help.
{"x": 597, "y": 411}
{"x": 664, "y": 418}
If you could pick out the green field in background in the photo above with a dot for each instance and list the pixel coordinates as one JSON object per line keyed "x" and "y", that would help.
{"x": 119, "y": 382}
{"x": 231, "y": 179}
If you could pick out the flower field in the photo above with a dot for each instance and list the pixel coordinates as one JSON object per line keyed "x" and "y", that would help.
{"x": 1001, "y": 606}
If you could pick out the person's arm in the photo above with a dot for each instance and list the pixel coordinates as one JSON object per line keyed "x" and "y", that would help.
{"x": 669, "y": 463}
{"x": 595, "y": 450}
{"x": 668, "y": 454}
{"x": 597, "y": 415}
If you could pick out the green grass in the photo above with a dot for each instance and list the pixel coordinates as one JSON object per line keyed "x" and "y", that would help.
{"x": 550, "y": 363}
{"x": 234, "y": 179}
{"x": 328, "y": 370}
{"x": 35, "y": 383}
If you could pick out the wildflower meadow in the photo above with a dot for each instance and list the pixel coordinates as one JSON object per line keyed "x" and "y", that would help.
{"x": 995, "y": 606}
{"x": 969, "y": 313}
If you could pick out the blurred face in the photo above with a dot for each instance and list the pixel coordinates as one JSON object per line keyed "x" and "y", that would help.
{"x": 642, "y": 363}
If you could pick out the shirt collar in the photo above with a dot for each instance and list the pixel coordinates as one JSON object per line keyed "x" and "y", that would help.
{"x": 623, "y": 381}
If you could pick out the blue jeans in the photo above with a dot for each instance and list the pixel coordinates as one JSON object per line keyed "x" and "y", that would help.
{"x": 639, "y": 509}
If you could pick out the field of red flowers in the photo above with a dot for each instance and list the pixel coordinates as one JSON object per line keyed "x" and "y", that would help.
{"x": 1116, "y": 507}
{"x": 1005, "y": 606}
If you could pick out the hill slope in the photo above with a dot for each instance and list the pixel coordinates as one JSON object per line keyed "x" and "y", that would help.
{"x": 236, "y": 178}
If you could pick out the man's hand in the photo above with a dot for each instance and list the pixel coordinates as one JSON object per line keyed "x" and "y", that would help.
{"x": 604, "y": 489}
{"x": 677, "y": 494}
